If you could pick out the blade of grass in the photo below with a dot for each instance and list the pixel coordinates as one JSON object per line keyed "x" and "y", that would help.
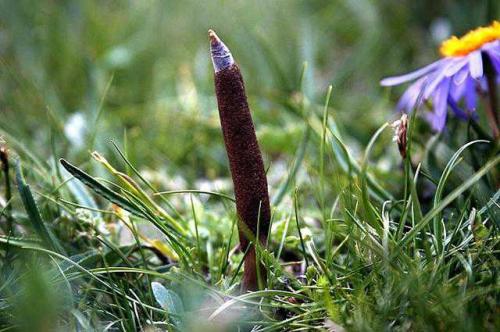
{"x": 370, "y": 214}
{"x": 33, "y": 213}
{"x": 100, "y": 189}
{"x": 296, "y": 209}
{"x": 444, "y": 203}
{"x": 454, "y": 160}
{"x": 100, "y": 108}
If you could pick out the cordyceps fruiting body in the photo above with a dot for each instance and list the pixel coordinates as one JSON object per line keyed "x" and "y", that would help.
{"x": 245, "y": 159}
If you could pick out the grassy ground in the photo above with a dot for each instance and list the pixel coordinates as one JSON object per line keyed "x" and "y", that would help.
{"x": 142, "y": 235}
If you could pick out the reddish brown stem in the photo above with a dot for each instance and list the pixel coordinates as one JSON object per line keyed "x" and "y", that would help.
{"x": 245, "y": 159}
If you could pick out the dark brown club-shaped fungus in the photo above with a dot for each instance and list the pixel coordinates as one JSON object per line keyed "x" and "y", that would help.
{"x": 245, "y": 159}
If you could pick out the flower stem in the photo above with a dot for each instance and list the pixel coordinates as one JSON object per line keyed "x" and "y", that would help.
{"x": 492, "y": 107}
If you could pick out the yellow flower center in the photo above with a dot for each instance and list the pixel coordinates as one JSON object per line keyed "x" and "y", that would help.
{"x": 471, "y": 41}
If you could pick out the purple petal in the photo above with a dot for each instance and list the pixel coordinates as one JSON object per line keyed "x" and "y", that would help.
{"x": 457, "y": 89}
{"x": 493, "y": 51}
{"x": 439, "y": 100}
{"x": 482, "y": 85}
{"x": 475, "y": 64}
{"x": 470, "y": 94}
{"x": 435, "y": 79}
{"x": 396, "y": 80}
{"x": 429, "y": 117}
{"x": 457, "y": 110}
{"x": 410, "y": 97}
{"x": 492, "y": 46}
{"x": 455, "y": 65}
{"x": 448, "y": 69}
{"x": 495, "y": 59}
{"x": 460, "y": 77}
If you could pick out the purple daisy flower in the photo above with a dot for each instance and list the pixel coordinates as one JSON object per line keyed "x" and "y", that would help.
{"x": 458, "y": 77}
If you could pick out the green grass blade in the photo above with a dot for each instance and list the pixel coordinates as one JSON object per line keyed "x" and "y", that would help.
{"x": 454, "y": 160}
{"x": 33, "y": 213}
{"x": 369, "y": 210}
{"x": 100, "y": 189}
{"x": 444, "y": 203}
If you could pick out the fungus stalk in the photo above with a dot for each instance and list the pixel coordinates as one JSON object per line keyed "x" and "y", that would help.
{"x": 245, "y": 160}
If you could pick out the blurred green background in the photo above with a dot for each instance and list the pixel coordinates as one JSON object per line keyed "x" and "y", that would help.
{"x": 76, "y": 74}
